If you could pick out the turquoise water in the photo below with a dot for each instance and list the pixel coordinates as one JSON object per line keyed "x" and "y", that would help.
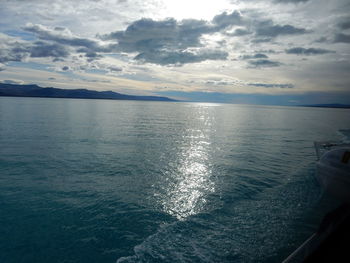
{"x": 132, "y": 181}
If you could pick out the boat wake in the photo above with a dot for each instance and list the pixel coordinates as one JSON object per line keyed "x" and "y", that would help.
{"x": 237, "y": 231}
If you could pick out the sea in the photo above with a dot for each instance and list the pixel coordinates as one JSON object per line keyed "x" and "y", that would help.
{"x": 140, "y": 181}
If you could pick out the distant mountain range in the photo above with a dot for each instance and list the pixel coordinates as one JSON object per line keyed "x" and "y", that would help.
{"x": 15, "y": 90}
{"x": 334, "y": 105}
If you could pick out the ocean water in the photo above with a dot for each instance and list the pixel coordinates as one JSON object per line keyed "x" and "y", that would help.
{"x": 132, "y": 181}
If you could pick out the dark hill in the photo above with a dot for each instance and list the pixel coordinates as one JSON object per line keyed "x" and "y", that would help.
{"x": 15, "y": 90}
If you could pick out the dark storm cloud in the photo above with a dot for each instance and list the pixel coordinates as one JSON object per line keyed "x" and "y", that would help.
{"x": 308, "y": 51}
{"x": 264, "y": 85}
{"x": 341, "y": 38}
{"x": 263, "y": 63}
{"x": 255, "y": 56}
{"x": 268, "y": 29}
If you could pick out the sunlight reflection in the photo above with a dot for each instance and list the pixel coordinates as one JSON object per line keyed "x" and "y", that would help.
{"x": 204, "y": 104}
{"x": 191, "y": 180}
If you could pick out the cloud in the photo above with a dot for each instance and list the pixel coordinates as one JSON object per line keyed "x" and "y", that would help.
{"x": 345, "y": 24}
{"x": 341, "y": 38}
{"x": 145, "y": 35}
{"x": 308, "y": 51}
{"x": 321, "y": 40}
{"x": 240, "y": 32}
{"x": 64, "y": 36}
{"x": 44, "y": 49}
{"x": 7, "y": 55}
{"x": 15, "y": 49}
{"x": 290, "y": 1}
{"x": 268, "y": 29}
{"x": 268, "y": 85}
{"x": 222, "y": 82}
{"x": 114, "y": 69}
{"x": 169, "y": 41}
{"x": 255, "y": 56}
{"x": 59, "y": 35}
{"x": 263, "y": 63}
{"x": 10, "y": 81}
{"x": 224, "y": 20}
{"x": 180, "y": 57}
{"x": 20, "y": 51}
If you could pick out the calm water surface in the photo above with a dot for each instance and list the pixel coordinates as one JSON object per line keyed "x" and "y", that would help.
{"x": 129, "y": 181}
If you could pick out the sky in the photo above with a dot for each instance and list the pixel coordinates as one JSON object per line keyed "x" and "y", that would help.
{"x": 282, "y": 52}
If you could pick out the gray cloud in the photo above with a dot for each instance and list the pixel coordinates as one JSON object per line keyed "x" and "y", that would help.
{"x": 167, "y": 41}
{"x": 63, "y": 36}
{"x": 180, "y": 57}
{"x": 224, "y": 20}
{"x": 10, "y": 81}
{"x": 240, "y": 32}
{"x": 161, "y": 42}
{"x": 220, "y": 82}
{"x": 43, "y": 49}
{"x": 290, "y": 1}
{"x": 255, "y": 56}
{"x": 18, "y": 51}
{"x": 321, "y": 40}
{"x": 265, "y": 85}
{"x": 308, "y": 51}
{"x": 114, "y": 69}
{"x": 345, "y": 24}
{"x": 146, "y": 35}
{"x": 263, "y": 63}
{"x": 58, "y": 35}
{"x": 6, "y": 55}
{"x": 268, "y": 29}
{"x": 341, "y": 38}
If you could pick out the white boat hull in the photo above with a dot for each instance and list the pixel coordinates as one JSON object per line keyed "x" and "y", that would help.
{"x": 333, "y": 173}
